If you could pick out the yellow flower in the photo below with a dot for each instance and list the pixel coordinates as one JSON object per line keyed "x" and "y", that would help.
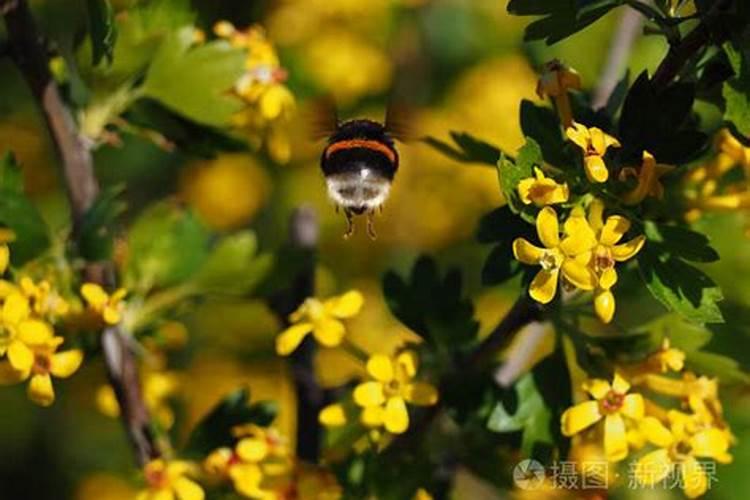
{"x": 43, "y": 299}
{"x": 667, "y": 358}
{"x": 648, "y": 176}
{"x": 322, "y": 318}
{"x": 611, "y": 402}
{"x": 109, "y": 307}
{"x": 678, "y": 447}
{"x": 728, "y": 145}
{"x": 607, "y": 252}
{"x": 594, "y": 143}
{"x": 14, "y": 313}
{"x": 157, "y": 386}
{"x": 383, "y": 399}
{"x": 570, "y": 255}
{"x": 332, "y": 415}
{"x": 169, "y": 481}
{"x": 6, "y": 236}
{"x": 542, "y": 190}
{"x": 35, "y": 355}
{"x": 555, "y": 81}
{"x": 258, "y": 453}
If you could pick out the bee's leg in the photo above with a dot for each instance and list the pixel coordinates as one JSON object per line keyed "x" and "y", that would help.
{"x": 349, "y": 224}
{"x": 371, "y": 225}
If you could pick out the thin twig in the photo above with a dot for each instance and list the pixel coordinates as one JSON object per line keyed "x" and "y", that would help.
{"x": 628, "y": 29}
{"x": 303, "y": 240}
{"x": 28, "y": 53}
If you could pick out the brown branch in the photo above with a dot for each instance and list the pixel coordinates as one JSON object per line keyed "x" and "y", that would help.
{"x": 27, "y": 51}
{"x": 681, "y": 53}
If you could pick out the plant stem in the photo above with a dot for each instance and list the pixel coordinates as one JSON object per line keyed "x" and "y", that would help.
{"x": 28, "y": 53}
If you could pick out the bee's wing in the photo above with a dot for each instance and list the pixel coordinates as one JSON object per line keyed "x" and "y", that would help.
{"x": 399, "y": 120}
{"x": 321, "y": 118}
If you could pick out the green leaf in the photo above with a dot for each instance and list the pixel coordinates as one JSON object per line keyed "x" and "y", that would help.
{"x": 737, "y": 91}
{"x": 542, "y": 125}
{"x": 501, "y": 226}
{"x": 532, "y": 416}
{"x": 717, "y": 365}
{"x": 215, "y": 429}
{"x": 19, "y": 214}
{"x": 233, "y": 266}
{"x": 194, "y": 80}
{"x": 470, "y": 149}
{"x": 102, "y": 30}
{"x": 680, "y": 287}
{"x": 682, "y": 242}
{"x": 166, "y": 246}
{"x": 682, "y": 334}
{"x": 566, "y": 19}
{"x": 431, "y": 305}
{"x": 510, "y": 173}
{"x": 96, "y": 238}
{"x": 11, "y": 177}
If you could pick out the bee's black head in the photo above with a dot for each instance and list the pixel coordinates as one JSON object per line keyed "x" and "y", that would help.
{"x": 361, "y": 129}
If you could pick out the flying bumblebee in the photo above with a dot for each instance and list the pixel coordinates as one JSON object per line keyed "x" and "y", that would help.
{"x": 359, "y": 162}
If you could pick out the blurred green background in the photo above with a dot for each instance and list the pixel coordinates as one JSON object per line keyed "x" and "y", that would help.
{"x": 460, "y": 65}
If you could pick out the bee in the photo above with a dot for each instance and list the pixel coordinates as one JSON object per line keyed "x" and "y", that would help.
{"x": 359, "y": 163}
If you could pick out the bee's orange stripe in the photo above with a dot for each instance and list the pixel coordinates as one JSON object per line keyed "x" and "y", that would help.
{"x": 361, "y": 143}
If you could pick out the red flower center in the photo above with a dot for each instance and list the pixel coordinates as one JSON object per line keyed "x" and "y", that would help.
{"x": 612, "y": 401}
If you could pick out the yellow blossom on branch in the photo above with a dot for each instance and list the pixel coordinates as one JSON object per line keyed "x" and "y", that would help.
{"x": 108, "y": 307}
{"x": 167, "y": 480}
{"x": 34, "y": 355}
{"x": 611, "y": 403}
{"x": 679, "y": 448}
{"x": 555, "y": 81}
{"x": 607, "y": 252}
{"x": 541, "y": 190}
{"x": 15, "y": 312}
{"x": 649, "y": 180}
{"x": 44, "y": 300}
{"x": 322, "y": 319}
{"x": 383, "y": 398}
{"x": 594, "y": 143}
{"x": 570, "y": 255}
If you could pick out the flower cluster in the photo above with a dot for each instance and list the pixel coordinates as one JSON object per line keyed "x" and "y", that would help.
{"x": 585, "y": 254}
{"x": 630, "y": 419}
{"x": 269, "y": 102}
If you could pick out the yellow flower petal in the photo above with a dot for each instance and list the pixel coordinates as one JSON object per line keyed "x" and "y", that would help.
{"x": 187, "y": 489}
{"x": 596, "y": 215}
{"x": 252, "y": 449}
{"x": 548, "y": 228}
{"x": 653, "y": 467}
{"x": 4, "y": 258}
{"x": 380, "y": 368}
{"x": 619, "y": 384}
{"x": 627, "y": 250}
{"x": 608, "y": 279}
{"x": 694, "y": 480}
{"x": 596, "y": 169}
{"x": 65, "y": 364}
{"x": 40, "y": 390}
{"x": 579, "y": 417}
{"x": 288, "y": 340}
{"x": 709, "y": 443}
{"x": 544, "y": 286}
{"x": 633, "y": 407}
{"x": 420, "y": 393}
{"x": 579, "y": 134}
{"x": 580, "y": 237}
{"x": 598, "y": 388}
{"x": 372, "y": 416}
{"x": 20, "y": 357}
{"x": 332, "y": 416}
{"x": 246, "y": 479}
{"x": 329, "y": 332}
{"x": 35, "y": 332}
{"x": 579, "y": 274}
{"x": 369, "y": 394}
{"x": 345, "y": 306}
{"x": 615, "y": 227}
{"x": 111, "y": 315}
{"x": 15, "y": 308}
{"x": 526, "y": 252}
{"x": 615, "y": 438}
{"x": 408, "y": 362}
{"x": 396, "y": 417}
{"x": 655, "y": 432}
{"x": 94, "y": 295}
{"x": 604, "y": 305}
